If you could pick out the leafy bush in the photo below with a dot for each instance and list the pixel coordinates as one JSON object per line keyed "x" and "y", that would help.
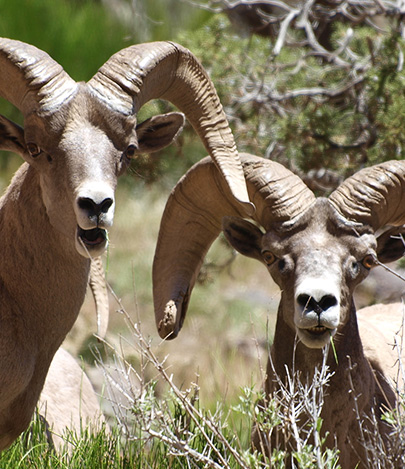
{"x": 306, "y": 111}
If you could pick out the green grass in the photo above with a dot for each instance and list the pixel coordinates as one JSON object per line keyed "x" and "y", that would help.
{"x": 90, "y": 450}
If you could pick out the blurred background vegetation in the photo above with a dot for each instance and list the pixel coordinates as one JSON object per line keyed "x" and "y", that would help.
{"x": 324, "y": 112}
{"x": 336, "y": 104}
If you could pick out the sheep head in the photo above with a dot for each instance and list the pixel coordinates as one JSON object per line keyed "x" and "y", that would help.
{"x": 316, "y": 250}
{"x": 317, "y": 262}
{"x": 79, "y": 137}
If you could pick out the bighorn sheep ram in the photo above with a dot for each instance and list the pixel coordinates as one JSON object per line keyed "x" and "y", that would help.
{"x": 77, "y": 139}
{"x": 317, "y": 250}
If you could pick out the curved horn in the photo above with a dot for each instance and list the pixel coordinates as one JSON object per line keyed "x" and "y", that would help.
{"x": 31, "y": 80}
{"x": 168, "y": 71}
{"x": 374, "y": 196}
{"x": 192, "y": 221}
{"x": 98, "y": 286}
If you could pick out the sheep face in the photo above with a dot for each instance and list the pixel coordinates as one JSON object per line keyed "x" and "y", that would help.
{"x": 78, "y": 163}
{"x": 317, "y": 263}
{"x": 78, "y": 154}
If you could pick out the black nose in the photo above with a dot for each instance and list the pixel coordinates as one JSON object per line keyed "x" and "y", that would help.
{"x": 308, "y": 303}
{"x": 93, "y": 208}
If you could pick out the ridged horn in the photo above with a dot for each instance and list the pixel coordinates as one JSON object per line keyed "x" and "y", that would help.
{"x": 168, "y": 71}
{"x": 98, "y": 286}
{"x": 31, "y": 80}
{"x": 374, "y": 196}
{"x": 192, "y": 220}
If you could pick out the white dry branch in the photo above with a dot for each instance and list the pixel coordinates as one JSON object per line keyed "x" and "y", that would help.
{"x": 298, "y": 404}
{"x": 294, "y": 413}
{"x": 306, "y": 26}
{"x": 154, "y": 418}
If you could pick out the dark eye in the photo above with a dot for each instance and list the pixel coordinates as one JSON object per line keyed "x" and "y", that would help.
{"x": 368, "y": 261}
{"x": 131, "y": 151}
{"x": 268, "y": 257}
{"x": 33, "y": 149}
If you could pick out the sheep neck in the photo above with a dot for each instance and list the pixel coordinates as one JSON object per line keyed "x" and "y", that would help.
{"x": 352, "y": 377}
{"x": 42, "y": 274}
{"x": 43, "y": 282}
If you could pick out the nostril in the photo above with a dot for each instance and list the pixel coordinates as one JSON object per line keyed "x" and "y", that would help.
{"x": 92, "y": 208}
{"x": 309, "y": 304}
{"x": 106, "y": 205}
{"x": 86, "y": 204}
{"x": 303, "y": 300}
{"x": 328, "y": 301}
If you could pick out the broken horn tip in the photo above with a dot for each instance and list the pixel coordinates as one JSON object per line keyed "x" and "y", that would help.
{"x": 167, "y": 328}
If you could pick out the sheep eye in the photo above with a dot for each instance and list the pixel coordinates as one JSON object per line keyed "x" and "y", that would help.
{"x": 131, "y": 151}
{"x": 33, "y": 149}
{"x": 368, "y": 261}
{"x": 268, "y": 257}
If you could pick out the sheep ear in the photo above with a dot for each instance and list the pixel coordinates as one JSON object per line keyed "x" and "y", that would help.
{"x": 159, "y": 131}
{"x": 243, "y": 236}
{"x": 11, "y": 137}
{"x": 391, "y": 244}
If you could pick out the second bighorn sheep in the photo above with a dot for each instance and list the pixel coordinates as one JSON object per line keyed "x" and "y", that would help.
{"x": 68, "y": 403}
{"x": 77, "y": 139}
{"x": 317, "y": 250}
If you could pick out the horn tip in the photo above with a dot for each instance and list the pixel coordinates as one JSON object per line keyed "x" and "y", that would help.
{"x": 167, "y": 327}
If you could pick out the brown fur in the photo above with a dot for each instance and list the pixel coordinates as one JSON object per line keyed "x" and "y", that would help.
{"x": 317, "y": 246}
{"x": 43, "y": 277}
{"x": 43, "y": 281}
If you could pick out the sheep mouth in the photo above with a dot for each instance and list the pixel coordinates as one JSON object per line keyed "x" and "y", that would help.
{"x": 316, "y": 336}
{"x": 317, "y": 330}
{"x": 92, "y": 238}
